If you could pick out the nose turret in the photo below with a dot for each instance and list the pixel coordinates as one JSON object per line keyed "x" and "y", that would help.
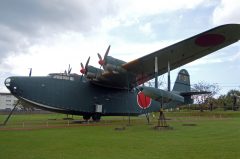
{"x": 8, "y": 82}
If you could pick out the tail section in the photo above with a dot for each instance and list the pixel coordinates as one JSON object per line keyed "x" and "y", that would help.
{"x": 182, "y": 83}
{"x": 181, "y": 92}
{"x": 182, "y": 87}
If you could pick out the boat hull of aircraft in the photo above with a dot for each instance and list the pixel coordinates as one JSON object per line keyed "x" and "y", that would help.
{"x": 73, "y": 94}
{"x": 77, "y": 96}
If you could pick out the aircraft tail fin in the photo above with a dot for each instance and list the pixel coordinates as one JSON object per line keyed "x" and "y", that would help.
{"x": 182, "y": 86}
{"x": 182, "y": 83}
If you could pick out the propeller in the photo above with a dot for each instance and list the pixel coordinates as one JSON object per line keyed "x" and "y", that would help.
{"x": 84, "y": 69}
{"x": 30, "y": 72}
{"x": 69, "y": 69}
{"x": 103, "y": 61}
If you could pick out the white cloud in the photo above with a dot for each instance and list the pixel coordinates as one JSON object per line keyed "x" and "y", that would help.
{"x": 235, "y": 57}
{"x": 151, "y": 7}
{"x": 216, "y": 58}
{"x": 128, "y": 12}
{"x": 205, "y": 60}
{"x": 146, "y": 29}
{"x": 56, "y": 53}
{"x": 227, "y": 12}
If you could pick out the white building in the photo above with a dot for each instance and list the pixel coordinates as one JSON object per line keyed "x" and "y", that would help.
{"x": 7, "y": 101}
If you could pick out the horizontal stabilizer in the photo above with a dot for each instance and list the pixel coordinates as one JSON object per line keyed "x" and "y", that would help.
{"x": 193, "y": 93}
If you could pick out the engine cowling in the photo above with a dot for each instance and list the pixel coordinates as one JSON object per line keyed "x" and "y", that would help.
{"x": 93, "y": 72}
{"x": 91, "y": 75}
{"x": 114, "y": 68}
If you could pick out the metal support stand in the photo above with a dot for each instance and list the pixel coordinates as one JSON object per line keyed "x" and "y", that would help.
{"x": 6, "y": 120}
{"x": 162, "y": 123}
{"x": 162, "y": 120}
{"x": 129, "y": 118}
{"x": 169, "y": 79}
{"x": 147, "y": 117}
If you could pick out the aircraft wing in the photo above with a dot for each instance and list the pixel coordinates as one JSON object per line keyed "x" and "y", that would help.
{"x": 178, "y": 54}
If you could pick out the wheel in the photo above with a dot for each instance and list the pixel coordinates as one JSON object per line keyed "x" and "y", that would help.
{"x": 86, "y": 117}
{"x": 96, "y": 117}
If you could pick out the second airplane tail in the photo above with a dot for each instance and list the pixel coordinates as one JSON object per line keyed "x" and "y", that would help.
{"x": 181, "y": 92}
{"x": 183, "y": 88}
{"x": 182, "y": 83}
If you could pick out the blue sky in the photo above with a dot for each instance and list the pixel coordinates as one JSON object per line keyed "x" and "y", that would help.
{"x": 49, "y": 35}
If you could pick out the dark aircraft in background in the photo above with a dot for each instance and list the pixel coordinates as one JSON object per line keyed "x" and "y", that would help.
{"x": 116, "y": 87}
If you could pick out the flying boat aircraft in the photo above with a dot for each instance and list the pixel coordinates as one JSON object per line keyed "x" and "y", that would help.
{"x": 116, "y": 88}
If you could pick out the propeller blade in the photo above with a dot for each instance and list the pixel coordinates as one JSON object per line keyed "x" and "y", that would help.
{"x": 82, "y": 66}
{"x": 86, "y": 66}
{"x": 69, "y": 69}
{"x": 103, "y": 61}
{"x": 84, "y": 69}
{"x": 99, "y": 56}
{"x": 30, "y": 72}
{"x": 87, "y": 62}
{"x": 106, "y": 54}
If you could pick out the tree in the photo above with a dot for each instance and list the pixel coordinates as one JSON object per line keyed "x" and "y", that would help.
{"x": 230, "y": 100}
{"x": 207, "y": 98}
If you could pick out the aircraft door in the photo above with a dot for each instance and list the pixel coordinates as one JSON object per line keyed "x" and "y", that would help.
{"x": 98, "y": 108}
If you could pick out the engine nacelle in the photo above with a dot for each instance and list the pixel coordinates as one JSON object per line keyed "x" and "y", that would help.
{"x": 114, "y": 68}
{"x": 91, "y": 75}
{"x": 159, "y": 94}
{"x": 92, "y": 72}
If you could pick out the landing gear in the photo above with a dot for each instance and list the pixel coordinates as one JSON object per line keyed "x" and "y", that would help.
{"x": 96, "y": 117}
{"x": 86, "y": 117}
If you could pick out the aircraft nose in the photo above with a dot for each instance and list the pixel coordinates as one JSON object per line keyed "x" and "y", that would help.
{"x": 11, "y": 85}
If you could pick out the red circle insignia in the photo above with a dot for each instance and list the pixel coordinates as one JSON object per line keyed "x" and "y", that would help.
{"x": 208, "y": 40}
{"x": 143, "y": 101}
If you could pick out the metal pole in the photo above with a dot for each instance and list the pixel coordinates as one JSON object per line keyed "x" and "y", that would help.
{"x": 6, "y": 120}
{"x": 129, "y": 120}
{"x": 169, "y": 80}
{"x": 156, "y": 72}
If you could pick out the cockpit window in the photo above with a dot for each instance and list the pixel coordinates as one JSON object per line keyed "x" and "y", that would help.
{"x": 62, "y": 77}
{"x": 7, "y": 82}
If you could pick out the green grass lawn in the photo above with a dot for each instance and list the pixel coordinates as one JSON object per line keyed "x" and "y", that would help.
{"x": 212, "y": 137}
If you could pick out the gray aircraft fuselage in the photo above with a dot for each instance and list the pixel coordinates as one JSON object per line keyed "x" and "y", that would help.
{"x": 71, "y": 94}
